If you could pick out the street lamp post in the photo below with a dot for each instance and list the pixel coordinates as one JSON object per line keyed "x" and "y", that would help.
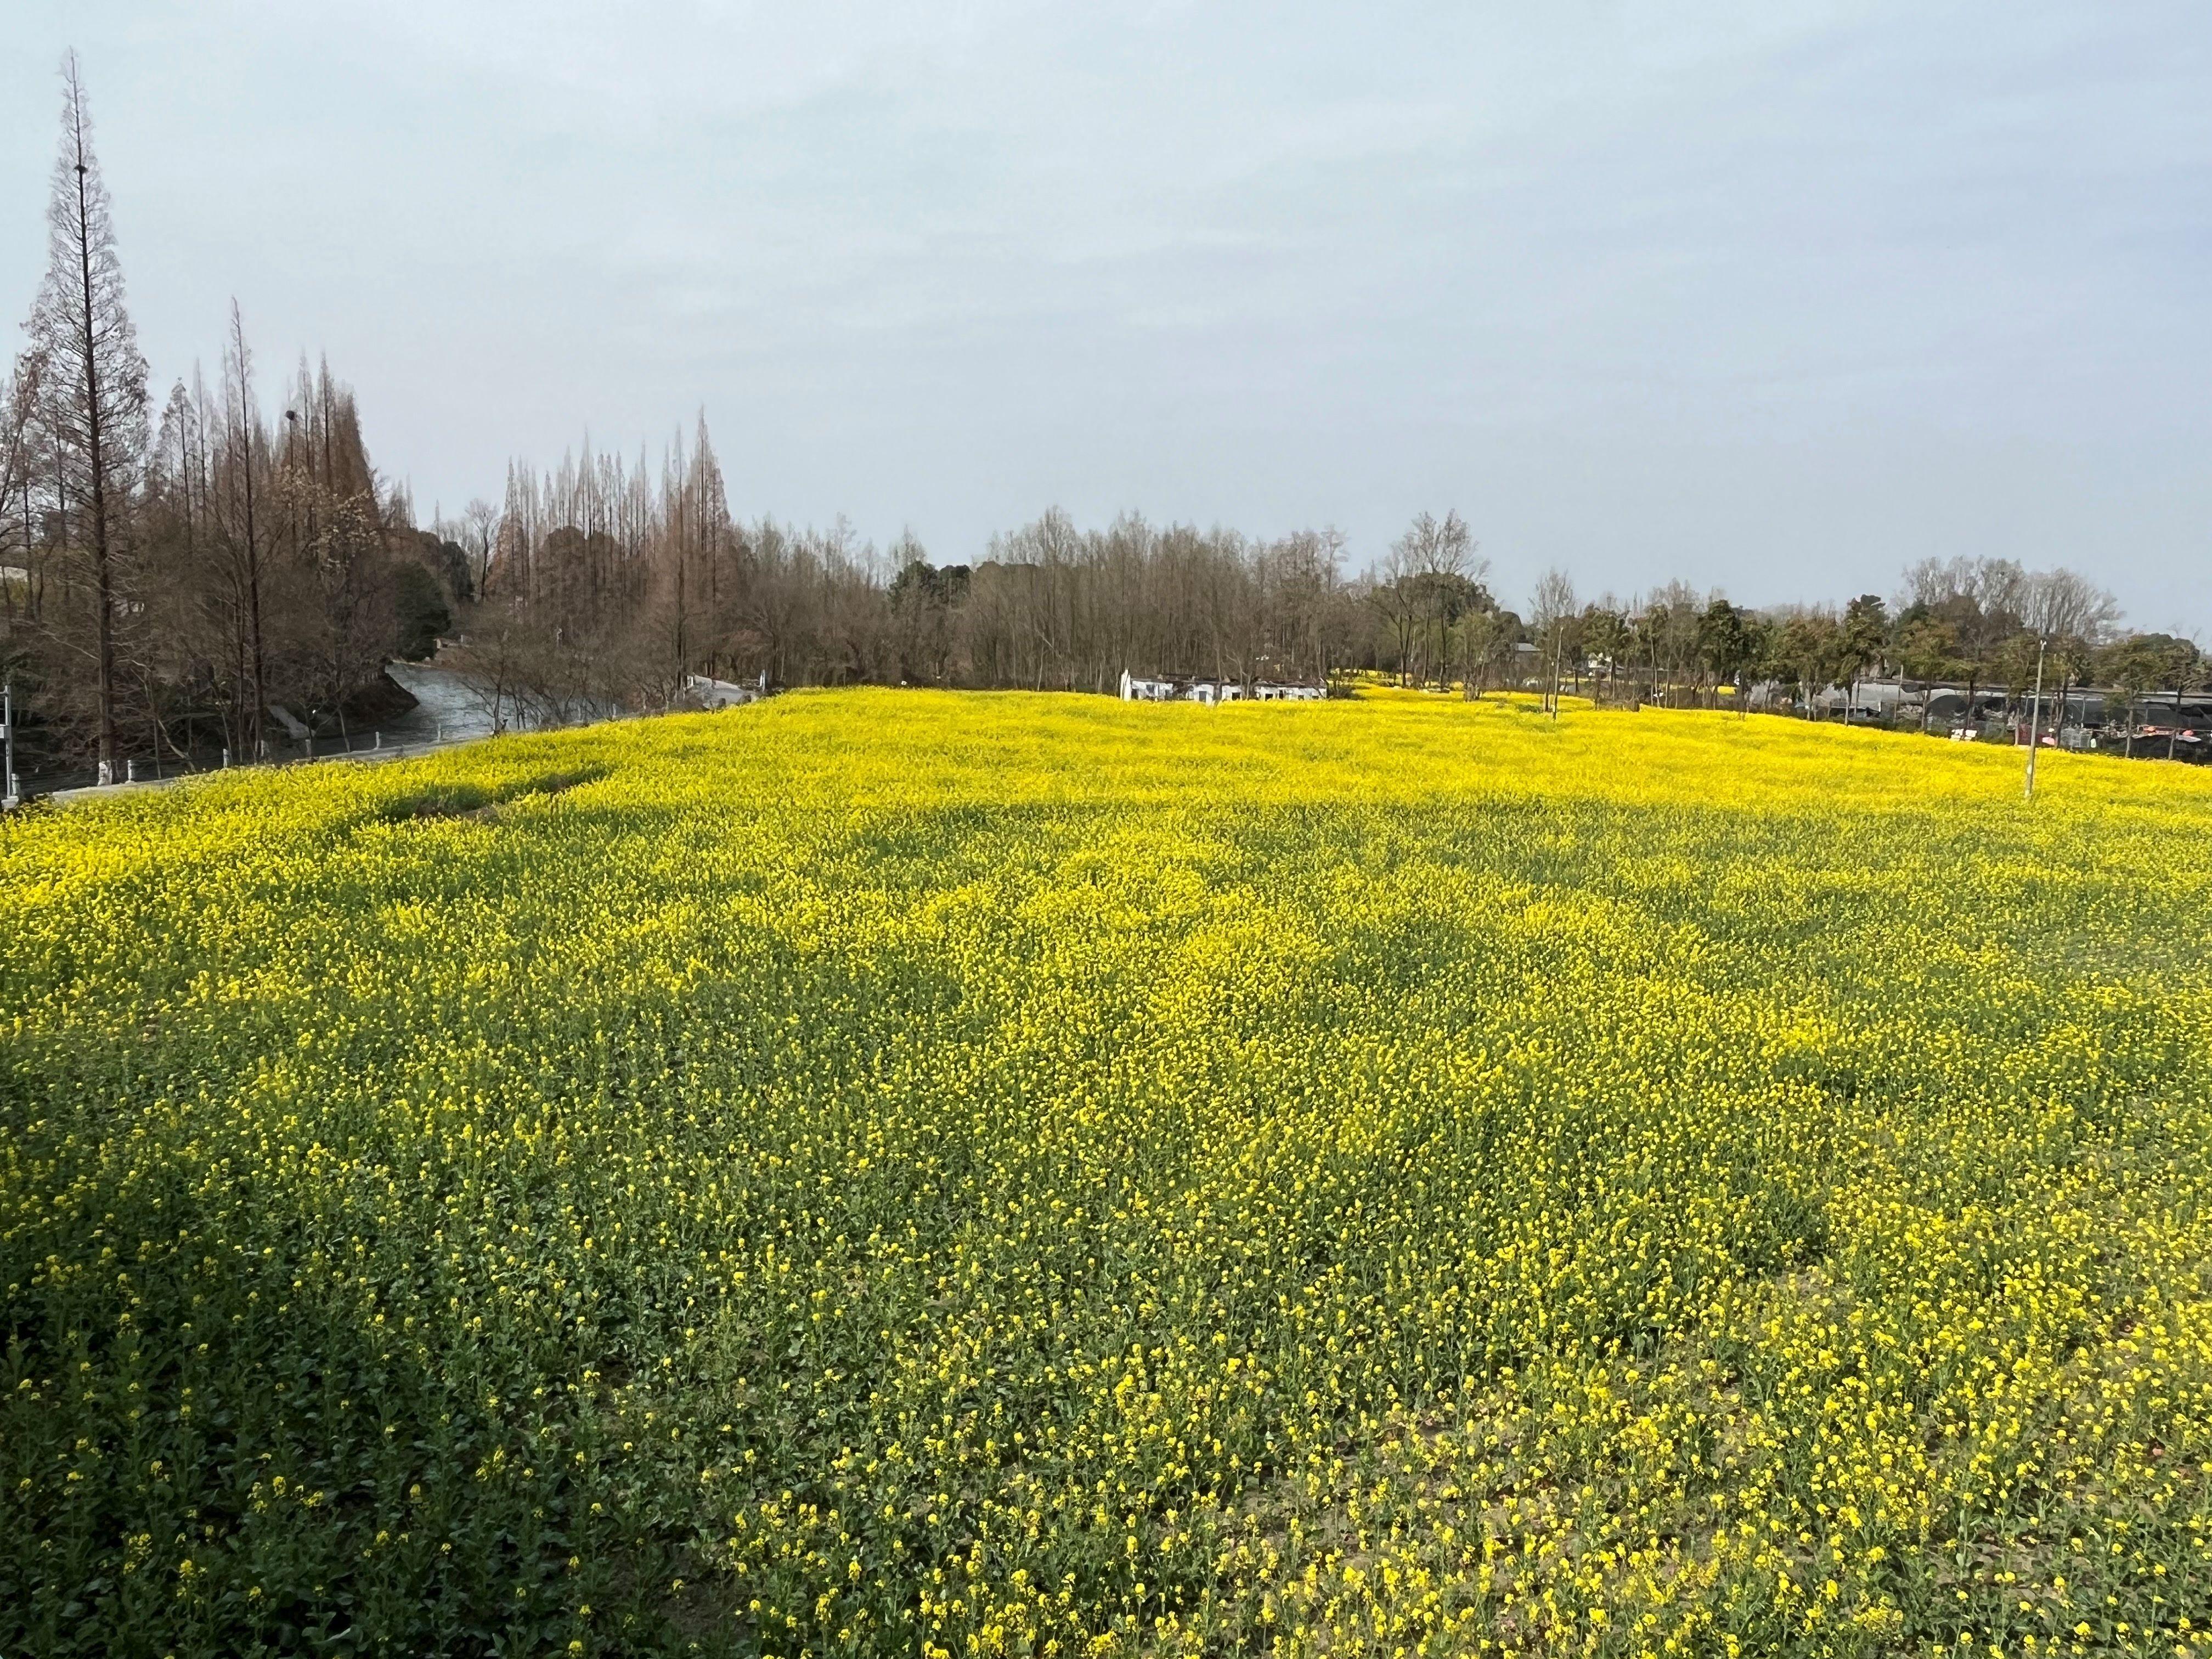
{"x": 2035, "y": 718}
{"x": 8, "y": 732}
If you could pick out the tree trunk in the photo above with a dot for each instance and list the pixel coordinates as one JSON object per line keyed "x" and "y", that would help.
{"x": 102, "y": 552}
{"x": 258, "y": 714}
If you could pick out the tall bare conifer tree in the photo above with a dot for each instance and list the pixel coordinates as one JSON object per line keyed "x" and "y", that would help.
{"x": 96, "y": 405}
{"x": 241, "y": 421}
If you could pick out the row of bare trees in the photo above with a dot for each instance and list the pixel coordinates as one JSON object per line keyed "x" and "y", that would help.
{"x": 612, "y": 582}
{"x": 167, "y": 581}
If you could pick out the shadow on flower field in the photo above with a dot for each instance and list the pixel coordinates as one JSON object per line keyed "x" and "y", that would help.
{"x": 897, "y": 1172}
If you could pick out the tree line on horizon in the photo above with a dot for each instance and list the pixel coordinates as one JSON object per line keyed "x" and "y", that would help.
{"x": 1985, "y": 627}
{"x": 174, "y": 579}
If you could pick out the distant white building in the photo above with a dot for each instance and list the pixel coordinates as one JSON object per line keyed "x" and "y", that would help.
{"x": 1862, "y": 700}
{"x": 1176, "y": 688}
{"x": 723, "y": 694}
{"x": 1134, "y": 689}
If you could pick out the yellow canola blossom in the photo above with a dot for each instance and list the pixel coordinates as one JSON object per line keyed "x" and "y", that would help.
{"x": 893, "y": 1172}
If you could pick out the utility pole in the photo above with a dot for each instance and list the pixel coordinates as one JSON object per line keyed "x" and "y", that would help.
{"x": 2035, "y": 717}
{"x": 8, "y": 793}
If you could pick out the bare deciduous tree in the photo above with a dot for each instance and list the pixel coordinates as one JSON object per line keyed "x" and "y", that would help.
{"x": 1554, "y": 615}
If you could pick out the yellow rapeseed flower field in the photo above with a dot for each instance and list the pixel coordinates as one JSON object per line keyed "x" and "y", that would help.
{"x": 889, "y": 1172}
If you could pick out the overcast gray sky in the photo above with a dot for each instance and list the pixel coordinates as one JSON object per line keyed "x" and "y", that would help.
{"x": 1773, "y": 297}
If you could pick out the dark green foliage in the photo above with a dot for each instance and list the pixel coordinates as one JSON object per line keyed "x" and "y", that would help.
{"x": 419, "y": 610}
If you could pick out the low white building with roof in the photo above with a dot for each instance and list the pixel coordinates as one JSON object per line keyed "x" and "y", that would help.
{"x": 1179, "y": 688}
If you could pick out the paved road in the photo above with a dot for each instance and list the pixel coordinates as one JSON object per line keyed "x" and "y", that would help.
{"x": 448, "y": 711}
{"x": 390, "y": 751}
